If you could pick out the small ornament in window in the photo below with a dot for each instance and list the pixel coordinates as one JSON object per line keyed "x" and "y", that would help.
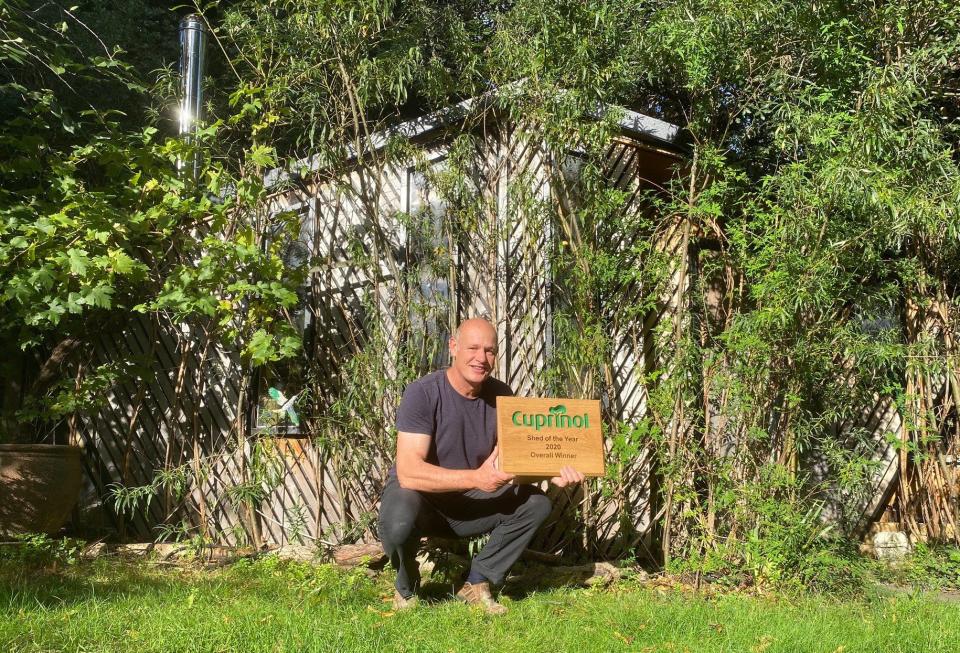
{"x": 284, "y": 405}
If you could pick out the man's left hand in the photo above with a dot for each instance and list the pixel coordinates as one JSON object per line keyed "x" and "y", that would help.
{"x": 568, "y": 476}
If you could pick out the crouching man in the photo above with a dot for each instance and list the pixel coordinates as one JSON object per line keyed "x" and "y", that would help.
{"x": 445, "y": 482}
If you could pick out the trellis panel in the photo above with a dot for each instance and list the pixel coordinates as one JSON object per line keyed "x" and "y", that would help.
{"x": 500, "y": 268}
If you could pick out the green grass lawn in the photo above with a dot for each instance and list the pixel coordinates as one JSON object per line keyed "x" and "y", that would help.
{"x": 268, "y": 605}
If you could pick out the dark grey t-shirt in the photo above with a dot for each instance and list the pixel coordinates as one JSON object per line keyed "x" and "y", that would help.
{"x": 464, "y": 431}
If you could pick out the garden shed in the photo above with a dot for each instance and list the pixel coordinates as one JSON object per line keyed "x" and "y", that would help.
{"x": 390, "y": 250}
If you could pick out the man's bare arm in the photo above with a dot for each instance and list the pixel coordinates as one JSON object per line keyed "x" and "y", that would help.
{"x": 415, "y": 473}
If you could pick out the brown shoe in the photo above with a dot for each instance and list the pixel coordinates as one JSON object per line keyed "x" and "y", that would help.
{"x": 479, "y": 594}
{"x": 400, "y": 603}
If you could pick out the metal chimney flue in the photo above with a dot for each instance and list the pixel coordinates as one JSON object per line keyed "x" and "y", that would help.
{"x": 193, "y": 43}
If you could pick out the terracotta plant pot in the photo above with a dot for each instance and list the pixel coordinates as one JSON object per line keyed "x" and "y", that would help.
{"x": 39, "y": 485}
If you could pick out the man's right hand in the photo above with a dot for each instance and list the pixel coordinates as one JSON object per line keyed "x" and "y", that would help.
{"x": 487, "y": 477}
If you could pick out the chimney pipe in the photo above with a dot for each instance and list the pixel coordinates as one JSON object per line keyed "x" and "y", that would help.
{"x": 193, "y": 42}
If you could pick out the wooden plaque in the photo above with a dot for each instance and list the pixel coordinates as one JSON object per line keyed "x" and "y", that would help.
{"x": 539, "y": 436}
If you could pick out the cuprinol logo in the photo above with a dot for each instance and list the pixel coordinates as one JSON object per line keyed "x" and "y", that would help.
{"x": 555, "y": 417}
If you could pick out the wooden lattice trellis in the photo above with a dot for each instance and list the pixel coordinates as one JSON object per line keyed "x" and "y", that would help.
{"x": 186, "y": 411}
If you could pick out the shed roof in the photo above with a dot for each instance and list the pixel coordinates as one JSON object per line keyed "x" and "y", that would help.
{"x": 640, "y": 126}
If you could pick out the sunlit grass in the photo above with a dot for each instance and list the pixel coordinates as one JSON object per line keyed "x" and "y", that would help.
{"x": 273, "y": 606}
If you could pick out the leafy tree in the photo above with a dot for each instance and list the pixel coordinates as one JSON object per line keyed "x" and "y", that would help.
{"x": 97, "y": 225}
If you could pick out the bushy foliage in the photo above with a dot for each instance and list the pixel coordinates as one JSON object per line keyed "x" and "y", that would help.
{"x": 38, "y": 551}
{"x": 98, "y": 226}
{"x": 928, "y": 567}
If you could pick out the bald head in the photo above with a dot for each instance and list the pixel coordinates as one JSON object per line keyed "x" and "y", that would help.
{"x": 475, "y": 323}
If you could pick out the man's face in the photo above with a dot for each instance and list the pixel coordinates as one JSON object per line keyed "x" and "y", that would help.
{"x": 475, "y": 352}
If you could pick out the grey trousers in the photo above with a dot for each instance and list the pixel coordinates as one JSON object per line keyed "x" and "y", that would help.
{"x": 511, "y": 515}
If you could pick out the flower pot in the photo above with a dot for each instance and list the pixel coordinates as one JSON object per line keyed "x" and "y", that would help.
{"x": 39, "y": 485}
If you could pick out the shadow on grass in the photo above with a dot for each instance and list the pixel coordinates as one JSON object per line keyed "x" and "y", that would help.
{"x": 437, "y": 592}
{"x": 531, "y": 579}
{"x": 58, "y": 586}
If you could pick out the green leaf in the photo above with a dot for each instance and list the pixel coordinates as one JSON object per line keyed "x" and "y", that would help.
{"x": 99, "y": 296}
{"x": 260, "y": 349}
{"x": 78, "y": 261}
{"x": 75, "y": 303}
{"x": 263, "y": 156}
{"x": 42, "y": 277}
{"x": 120, "y": 262}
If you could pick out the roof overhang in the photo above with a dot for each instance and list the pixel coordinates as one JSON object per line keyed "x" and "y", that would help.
{"x": 634, "y": 124}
